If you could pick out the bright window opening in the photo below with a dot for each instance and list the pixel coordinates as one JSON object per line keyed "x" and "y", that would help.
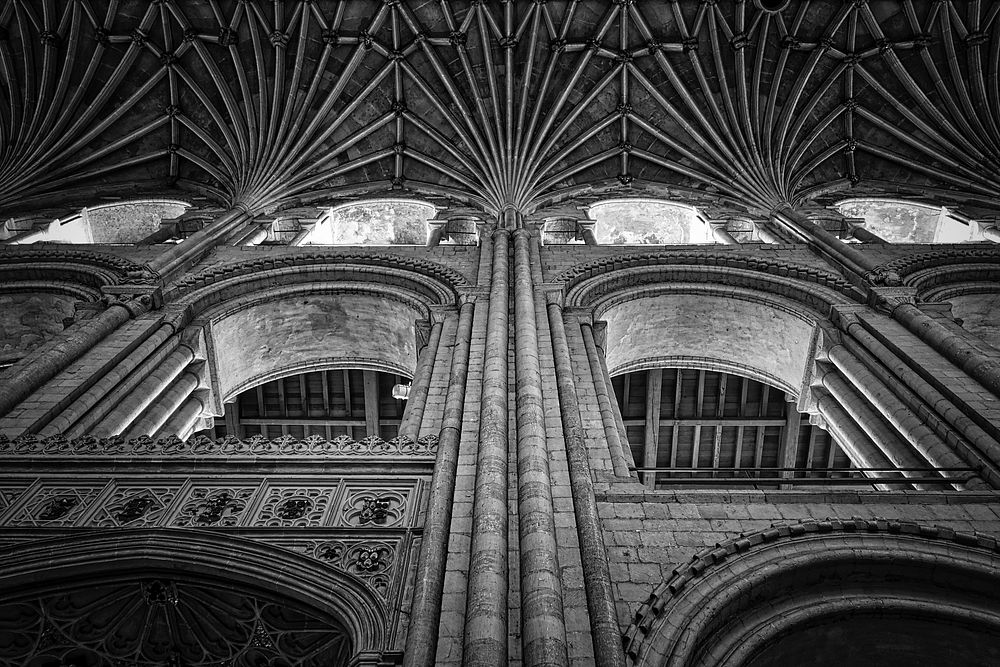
{"x": 909, "y": 222}
{"x": 118, "y": 223}
{"x": 385, "y": 222}
{"x": 648, "y": 222}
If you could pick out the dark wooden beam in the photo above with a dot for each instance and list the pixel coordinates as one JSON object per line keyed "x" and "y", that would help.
{"x": 654, "y": 385}
{"x": 371, "y": 402}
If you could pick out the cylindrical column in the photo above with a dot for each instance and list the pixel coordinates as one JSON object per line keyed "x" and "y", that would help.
{"x": 486, "y": 600}
{"x": 416, "y": 402}
{"x": 866, "y": 235}
{"x": 587, "y": 231}
{"x": 604, "y": 401}
{"x": 162, "y": 234}
{"x": 765, "y": 234}
{"x": 881, "y": 433}
{"x": 852, "y": 439}
{"x": 305, "y": 229}
{"x": 258, "y": 236}
{"x": 165, "y": 405}
{"x": 76, "y": 411}
{"x": 953, "y": 346}
{"x": 953, "y": 425}
{"x": 21, "y": 380}
{"x": 425, "y": 615}
{"x": 893, "y": 410}
{"x": 180, "y": 422}
{"x": 437, "y": 230}
{"x": 992, "y": 233}
{"x": 594, "y": 558}
{"x": 198, "y": 244}
{"x": 722, "y": 235}
{"x": 113, "y": 395}
{"x": 145, "y": 393}
{"x": 543, "y": 630}
{"x": 827, "y": 244}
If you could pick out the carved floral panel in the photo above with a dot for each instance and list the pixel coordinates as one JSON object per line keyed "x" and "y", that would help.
{"x": 294, "y": 506}
{"x": 213, "y": 507}
{"x": 135, "y": 506}
{"x": 55, "y": 505}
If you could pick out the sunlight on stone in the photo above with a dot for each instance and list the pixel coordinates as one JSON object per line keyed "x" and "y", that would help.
{"x": 647, "y": 222}
{"x": 124, "y": 222}
{"x": 387, "y": 222}
{"x": 909, "y": 222}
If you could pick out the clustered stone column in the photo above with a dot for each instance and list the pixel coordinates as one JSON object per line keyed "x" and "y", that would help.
{"x": 543, "y": 632}
{"x": 417, "y": 400}
{"x": 425, "y": 616}
{"x": 486, "y": 600}
{"x": 593, "y": 555}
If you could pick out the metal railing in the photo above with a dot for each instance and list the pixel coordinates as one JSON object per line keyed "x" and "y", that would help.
{"x": 755, "y": 477}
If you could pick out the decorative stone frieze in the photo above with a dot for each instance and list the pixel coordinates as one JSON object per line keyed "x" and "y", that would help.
{"x": 203, "y": 447}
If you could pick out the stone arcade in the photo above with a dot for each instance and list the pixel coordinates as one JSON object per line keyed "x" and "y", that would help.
{"x": 541, "y": 332}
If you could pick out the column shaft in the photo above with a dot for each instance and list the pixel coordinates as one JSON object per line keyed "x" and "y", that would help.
{"x": 594, "y": 558}
{"x": 893, "y": 410}
{"x": 604, "y": 401}
{"x": 198, "y": 244}
{"x": 107, "y": 383}
{"x": 422, "y": 636}
{"x": 20, "y": 381}
{"x": 881, "y": 433}
{"x": 129, "y": 409}
{"x": 416, "y": 403}
{"x": 165, "y": 405}
{"x": 956, "y": 428}
{"x": 984, "y": 368}
{"x": 180, "y": 422}
{"x": 543, "y": 631}
{"x": 859, "y": 447}
{"x": 866, "y": 235}
{"x": 486, "y": 601}
{"x": 722, "y": 235}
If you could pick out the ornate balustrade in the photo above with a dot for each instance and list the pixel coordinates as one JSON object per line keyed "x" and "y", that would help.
{"x": 204, "y": 447}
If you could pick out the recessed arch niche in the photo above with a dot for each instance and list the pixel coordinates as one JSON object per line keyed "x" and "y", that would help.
{"x": 305, "y": 329}
{"x": 712, "y": 330}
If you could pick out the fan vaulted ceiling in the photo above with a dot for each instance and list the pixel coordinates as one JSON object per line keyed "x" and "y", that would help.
{"x": 273, "y": 103}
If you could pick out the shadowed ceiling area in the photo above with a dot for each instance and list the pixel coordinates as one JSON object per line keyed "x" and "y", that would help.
{"x": 509, "y": 104}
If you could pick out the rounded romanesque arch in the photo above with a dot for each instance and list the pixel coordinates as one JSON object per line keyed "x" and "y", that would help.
{"x": 267, "y": 319}
{"x": 187, "y": 595}
{"x": 832, "y": 592}
{"x": 743, "y": 302}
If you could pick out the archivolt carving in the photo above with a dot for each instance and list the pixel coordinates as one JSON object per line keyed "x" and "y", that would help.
{"x": 817, "y": 288}
{"x": 720, "y": 570}
{"x": 201, "y": 446}
{"x": 988, "y": 253}
{"x": 85, "y": 267}
{"x": 434, "y": 281}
